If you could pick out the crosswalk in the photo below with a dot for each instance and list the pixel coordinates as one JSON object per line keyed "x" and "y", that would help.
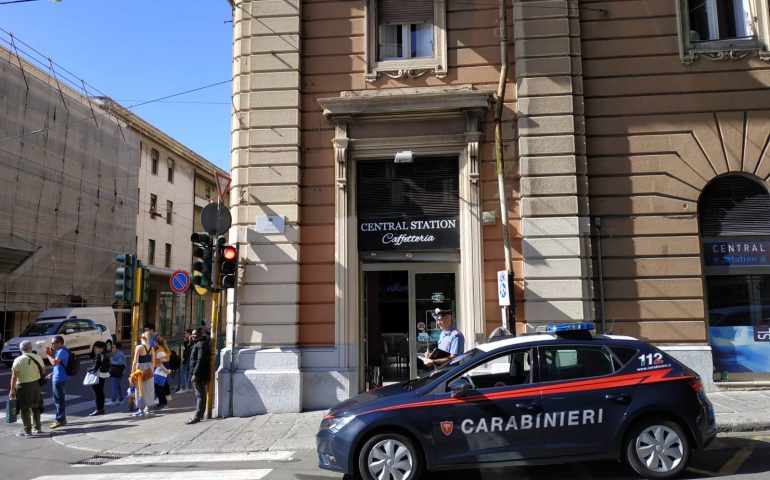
{"x": 80, "y": 471}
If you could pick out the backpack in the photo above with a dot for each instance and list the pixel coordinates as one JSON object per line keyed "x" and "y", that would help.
{"x": 73, "y": 365}
{"x": 175, "y": 362}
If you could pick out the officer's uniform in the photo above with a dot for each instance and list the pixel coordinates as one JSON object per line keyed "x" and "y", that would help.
{"x": 452, "y": 341}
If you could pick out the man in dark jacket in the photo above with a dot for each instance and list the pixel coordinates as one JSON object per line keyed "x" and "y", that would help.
{"x": 200, "y": 371}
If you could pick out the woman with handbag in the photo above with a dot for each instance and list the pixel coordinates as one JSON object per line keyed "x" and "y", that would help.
{"x": 144, "y": 361}
{"x": 117, "y": 367}
{"x": 96, "y": 376}
{"x": 26, "y": 376}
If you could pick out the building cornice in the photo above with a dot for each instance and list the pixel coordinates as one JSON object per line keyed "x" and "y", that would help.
{"x": 144, "y": 128}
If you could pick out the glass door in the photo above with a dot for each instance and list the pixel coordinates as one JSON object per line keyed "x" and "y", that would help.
{"x": 398, "y": 303}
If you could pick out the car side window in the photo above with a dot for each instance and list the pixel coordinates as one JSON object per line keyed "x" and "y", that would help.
{"x": 510, "y": 369}
{"x": 622, "y": 355}
{"x": 68, "y": 325}
{"x": 86, "y": 325}
{"x": 569, "y": 362}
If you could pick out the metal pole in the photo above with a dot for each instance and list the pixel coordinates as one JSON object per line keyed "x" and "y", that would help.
{"x": 135, "y": 305}
{"x": 232, "y": 341}
{"x": 499, "y": 157}
{"x": 597, "y": 224}
{"x": 212, "y": 359}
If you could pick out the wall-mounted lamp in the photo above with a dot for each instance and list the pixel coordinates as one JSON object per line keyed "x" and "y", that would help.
{"x": 404, "y": 157}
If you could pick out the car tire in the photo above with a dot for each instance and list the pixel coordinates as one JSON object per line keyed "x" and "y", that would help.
{"x": 657, "y": 448}
{"x": 384, "y": 453}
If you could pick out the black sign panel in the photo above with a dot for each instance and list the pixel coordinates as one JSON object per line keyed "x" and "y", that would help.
{"x": 736, "y": 253}
{"x": 427, "y": 233}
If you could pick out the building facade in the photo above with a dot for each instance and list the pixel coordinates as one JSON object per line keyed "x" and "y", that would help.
{"x": 68, "y": 186}
{"x": 366, "y": 194}
{"x": 174, "y": 185}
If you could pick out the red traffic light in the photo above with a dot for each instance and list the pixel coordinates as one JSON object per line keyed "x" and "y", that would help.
{"x": 229, "y": 253}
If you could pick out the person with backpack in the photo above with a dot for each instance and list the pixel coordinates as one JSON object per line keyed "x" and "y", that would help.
{"x": 59, "y": 357}
{"x": 26, "y": 374}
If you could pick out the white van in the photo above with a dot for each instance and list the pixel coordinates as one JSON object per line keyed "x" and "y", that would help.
{"x": 103, "y": 315}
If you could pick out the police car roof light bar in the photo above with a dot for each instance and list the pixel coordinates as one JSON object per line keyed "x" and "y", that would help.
{"x": 570, "y": 327}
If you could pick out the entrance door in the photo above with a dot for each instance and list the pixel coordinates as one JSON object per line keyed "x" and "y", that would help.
{"x": 397, "y": 306}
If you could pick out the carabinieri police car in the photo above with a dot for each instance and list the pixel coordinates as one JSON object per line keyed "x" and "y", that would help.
{"x": 563, "y": 396}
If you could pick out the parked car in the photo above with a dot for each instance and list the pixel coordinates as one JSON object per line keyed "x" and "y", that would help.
{"x": 103, "y": 315}
{"x": 80, "y": 335}
{"x": 566, "y": 395}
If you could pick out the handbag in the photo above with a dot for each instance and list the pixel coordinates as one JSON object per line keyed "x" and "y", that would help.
{"x": 91, "y": 379}
{"x": 11, "y": 413}
{"x": 41, "y": 381}
{"x": 116, "y": 370}
{"x": 147, "y": 374}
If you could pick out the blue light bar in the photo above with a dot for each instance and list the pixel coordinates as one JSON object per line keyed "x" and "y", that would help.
{"x": 570, "y": 327}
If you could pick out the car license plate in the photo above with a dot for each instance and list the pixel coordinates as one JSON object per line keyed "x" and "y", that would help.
{"x": 15, "y": 354}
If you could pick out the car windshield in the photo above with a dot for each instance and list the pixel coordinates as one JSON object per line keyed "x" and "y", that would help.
{"x": 40, "y": 328}
{"x": 436, "y": 372}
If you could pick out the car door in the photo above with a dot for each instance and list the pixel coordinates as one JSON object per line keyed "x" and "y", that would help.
{"x": 583, "y": 401}
{"x": 495, "y": 418}
{"x": 89, "y": 334}
{"x": 72, "y": 340}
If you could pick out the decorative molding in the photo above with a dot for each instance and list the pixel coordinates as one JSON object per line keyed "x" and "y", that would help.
{"x": 405, "y": 73}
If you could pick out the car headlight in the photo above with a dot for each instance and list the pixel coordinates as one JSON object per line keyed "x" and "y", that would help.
{"x": 335, "y": 424}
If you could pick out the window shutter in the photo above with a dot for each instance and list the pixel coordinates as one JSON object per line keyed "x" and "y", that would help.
{"x": 734, "y": 206}
{"x": 404, "y": 11}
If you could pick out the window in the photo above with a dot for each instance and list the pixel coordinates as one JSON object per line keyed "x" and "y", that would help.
{"x": 154, "y": 157}
{"x": 571, "y": 362}
{"x": 508, "y": 370}
{"x": 168, "y": 256}
{"x": 170, "y": 170}
{"x": 151, "y": 252}
{"x": 169, "y": 211}
{"x": 153, "y": 205}
{"x": 86, "y": 325}
{"x": 723, "y": 29}
{"x": 406, "y": 38}
{"x": 208, "y": 191}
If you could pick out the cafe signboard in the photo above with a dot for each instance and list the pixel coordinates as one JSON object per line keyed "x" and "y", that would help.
{"x": 427, "y": 233}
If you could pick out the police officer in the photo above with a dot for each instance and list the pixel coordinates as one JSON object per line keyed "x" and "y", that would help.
{"x": 450, "y": 340}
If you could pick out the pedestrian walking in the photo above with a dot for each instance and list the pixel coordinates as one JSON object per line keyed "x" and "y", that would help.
{"x": 26, "y": 372}
{"x": 183, "y": 382}
{"x": 200, "y": 371}
{"x": 58, "y": 357}
{"x": 162, "y": 357}
{"x": 117, "y": 368}
{"x": 100, "y": 368}
{"x": 144, "y": 364}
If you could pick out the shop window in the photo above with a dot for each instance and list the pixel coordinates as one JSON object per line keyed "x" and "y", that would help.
{"x": 734, "y": 221}
{"x": 723, "y": 29}
{"x": 406, "y": 38}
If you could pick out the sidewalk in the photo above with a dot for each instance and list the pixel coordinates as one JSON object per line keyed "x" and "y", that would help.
{"x": 166, "y": 433}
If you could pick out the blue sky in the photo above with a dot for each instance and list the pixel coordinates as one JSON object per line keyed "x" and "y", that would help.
{"x": 139, "y": 50}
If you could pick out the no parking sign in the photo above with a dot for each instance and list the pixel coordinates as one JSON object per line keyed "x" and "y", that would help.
{"x": 179, "y": 281}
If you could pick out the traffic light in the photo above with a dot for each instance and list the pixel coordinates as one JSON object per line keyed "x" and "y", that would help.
{"x": 203, "y": 252}
{"x": 126, "y": 279}
{"x": 228, "y": 257}
{"x": 145, "y": 294}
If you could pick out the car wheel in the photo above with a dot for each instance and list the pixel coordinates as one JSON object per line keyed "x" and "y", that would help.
{"x": 389, "y": 456}
{"x": 657, "y": 448}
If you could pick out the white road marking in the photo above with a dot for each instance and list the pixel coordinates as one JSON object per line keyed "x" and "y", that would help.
{"x": 251, "y": 474}
{"x": 276, "y": 456}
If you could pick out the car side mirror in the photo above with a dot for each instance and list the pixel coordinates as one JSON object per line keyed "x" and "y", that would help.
{"x": 70, "y": 330}
{"x": 459, "y": 386}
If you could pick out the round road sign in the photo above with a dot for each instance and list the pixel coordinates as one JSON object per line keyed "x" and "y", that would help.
{"x": 179, "y": 281}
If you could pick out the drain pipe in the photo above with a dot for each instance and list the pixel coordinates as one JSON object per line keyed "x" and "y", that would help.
{"x": 597, "y": 227}
{"x": 499, "y": 159}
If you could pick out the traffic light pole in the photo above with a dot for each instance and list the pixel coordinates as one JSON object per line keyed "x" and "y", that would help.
{"x": 214, "y": 328}
{"x": 135, "y": 307}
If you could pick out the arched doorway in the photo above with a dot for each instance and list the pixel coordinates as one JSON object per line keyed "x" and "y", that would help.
{"x": 734, "y": 221}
